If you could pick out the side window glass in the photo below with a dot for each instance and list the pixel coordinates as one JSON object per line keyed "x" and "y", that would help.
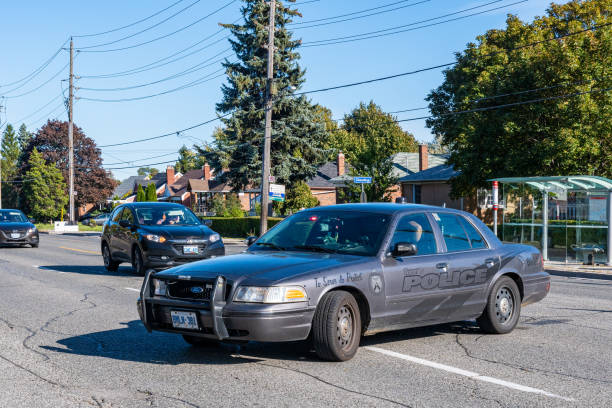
{"x": 117, "y": 215}
{"x": 415, "y": 229}
{"x": 127, "y": 215}
{"x": 453, "y": 233}
{"x": 475, "y": 238}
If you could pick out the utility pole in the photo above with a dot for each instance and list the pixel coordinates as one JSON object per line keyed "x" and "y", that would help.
{"x": 0, "y": 162}
{"x": 265, "y": 174}
{"x": 70, "y": 137}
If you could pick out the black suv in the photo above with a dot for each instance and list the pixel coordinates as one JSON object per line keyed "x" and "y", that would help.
{"x": 154, "y": 235}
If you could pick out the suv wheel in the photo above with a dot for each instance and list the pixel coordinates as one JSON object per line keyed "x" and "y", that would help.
{"x": 138, "y": 262}
{"x": 336, "y": 327}
{"x": 109, "y": 264}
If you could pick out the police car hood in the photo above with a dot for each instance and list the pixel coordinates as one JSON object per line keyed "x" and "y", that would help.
{"x": 261, "y": 268}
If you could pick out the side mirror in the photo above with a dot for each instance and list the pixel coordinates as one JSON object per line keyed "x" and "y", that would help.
{"x": 208, "y": 223}
{"x": 125, "y": 223}
{"x": 250, "y": 240}
{"x": 404, "y": 249}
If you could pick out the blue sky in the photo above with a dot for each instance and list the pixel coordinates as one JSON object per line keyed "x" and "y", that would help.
{"x": 33, "y": 30}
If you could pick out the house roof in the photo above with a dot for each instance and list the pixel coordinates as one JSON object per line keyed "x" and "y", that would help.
{"x": 127, "y": 186}
{"x": 432, "y": 174}
{"x": 405, "y": 164}
{"x": 325, "y": 173}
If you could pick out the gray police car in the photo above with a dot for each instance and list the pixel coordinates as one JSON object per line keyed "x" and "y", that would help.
{"x": 333, "y": 274}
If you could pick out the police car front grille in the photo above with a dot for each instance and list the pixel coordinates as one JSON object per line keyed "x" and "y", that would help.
{"x": 190, "y": 290}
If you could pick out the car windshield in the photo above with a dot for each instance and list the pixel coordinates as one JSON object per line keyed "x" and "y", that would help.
{"x": 170, "y": 215}
{"x": 344, "y": 232}
{"x": 12, "y": 216}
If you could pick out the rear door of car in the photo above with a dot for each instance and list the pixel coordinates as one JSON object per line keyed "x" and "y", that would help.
{"x": 411, "y": 281}
{"x": 471, "y": 264}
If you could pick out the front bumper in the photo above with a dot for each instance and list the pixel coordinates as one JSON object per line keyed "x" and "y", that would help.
{"x": 31, "y": 238}
{"x": 166, "y": 255}
{"x": 218, "y": 319}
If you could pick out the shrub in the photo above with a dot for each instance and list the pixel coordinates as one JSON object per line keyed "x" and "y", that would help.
{"x": 239, "y": 227}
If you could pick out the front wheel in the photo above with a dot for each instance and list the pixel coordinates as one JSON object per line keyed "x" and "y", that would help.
{"x": 336, "y": 327}
{"x": 138, "y": 262}
{"x": 503, "y": 308}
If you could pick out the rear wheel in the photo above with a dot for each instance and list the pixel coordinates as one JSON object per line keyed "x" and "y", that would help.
{"x": 109, "y": 264}
{"x": 503, "y": 308}
{"x": 336, "y": 327}
{"x": 138, "y": 262}
{"x": 200, "y": 341}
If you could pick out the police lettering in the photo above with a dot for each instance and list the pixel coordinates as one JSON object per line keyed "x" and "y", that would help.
{"x": 454, "y": 279}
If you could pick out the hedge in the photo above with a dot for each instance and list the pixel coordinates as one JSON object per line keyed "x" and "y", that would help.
{"x": 238, "y": 227}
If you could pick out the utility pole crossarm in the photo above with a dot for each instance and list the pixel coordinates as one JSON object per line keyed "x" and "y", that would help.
{"x": 265, "y": 174}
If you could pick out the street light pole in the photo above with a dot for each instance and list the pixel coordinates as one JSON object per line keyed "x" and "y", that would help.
{"x": 70, "y": 138}
{"x": 265, "y": 174}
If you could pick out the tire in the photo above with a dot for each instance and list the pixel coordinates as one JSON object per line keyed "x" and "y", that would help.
{"x": 200, "y": 341}
{"x": 138, "y": 262}
{"x": 336, "y": 326}
{"x": 109, "y": 264}
{"x": 34, "y": 245}
{"x": 503, "y": 309}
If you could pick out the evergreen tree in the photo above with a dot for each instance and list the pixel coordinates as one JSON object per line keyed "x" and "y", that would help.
{"x": 151, "y": 193}
{"x": 43, "y": 189}
{"x": 9, "y": 166}
{"x": 24, "y": 136}
{"x": 187, "y": 160}
{"x": 298, "y": 198}
{"x": 298, "y": 138}
{"x": 140, "y": 194}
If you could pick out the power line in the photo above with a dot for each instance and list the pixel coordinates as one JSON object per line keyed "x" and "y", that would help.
{"x": 163, "y": 36}
{"x": 386, "y": 32}
{"x": 137, "y": 160}
{"x": 39, "y": 86}
{"x": 451, "y": 63}
{"x": 129, "y": 25}
{"x": 144, "y": 30}
{"x": 39, "y": 109}
{"x": 39, "y": 69}
{"x": 355, "y": 17}
{"x": 142, "y": 165}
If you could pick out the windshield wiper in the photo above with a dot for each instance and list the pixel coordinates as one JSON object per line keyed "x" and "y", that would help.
{"x": 271, "y": 245}
{"x": 316, "y": 248}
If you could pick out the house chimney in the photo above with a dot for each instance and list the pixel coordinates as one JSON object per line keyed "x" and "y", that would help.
{"x": 206, "y": 171}
{"x": 340, "y": 163}
{"x": 170, "y": 175}
{"x": 423, "y": 157}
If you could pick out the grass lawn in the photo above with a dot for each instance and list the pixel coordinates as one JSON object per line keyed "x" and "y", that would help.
{"x": 49, "y": 227}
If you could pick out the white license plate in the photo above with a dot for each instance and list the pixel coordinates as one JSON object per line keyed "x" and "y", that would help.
{"x": 14, "y": 235}
{"x": 184, "y": 320}
{"x": 190, "y": 249}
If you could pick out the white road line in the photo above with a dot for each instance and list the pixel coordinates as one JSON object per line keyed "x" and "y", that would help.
{"x": 465, "y": 373}
{"x": 133, "y": 290}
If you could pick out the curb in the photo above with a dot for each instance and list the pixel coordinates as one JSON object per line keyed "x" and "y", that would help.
{"x": 77, "y": 234}
{"x": 587, "y": 275}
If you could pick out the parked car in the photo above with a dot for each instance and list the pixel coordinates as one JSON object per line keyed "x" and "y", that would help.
{"x": 156, "y": 235}
{"x": 99, "y": 219}
{"x": 336, "y": 273}
{"x": 17, "y": 230}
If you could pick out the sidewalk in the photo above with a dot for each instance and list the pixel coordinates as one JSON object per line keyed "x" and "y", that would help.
{"x": 578, "y": 270}
{"x": 77, "y": 234}
{"x": 234, "y": 241}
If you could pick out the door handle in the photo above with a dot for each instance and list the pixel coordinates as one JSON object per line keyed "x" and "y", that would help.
{"x": 490, "y": 262}
{"x": 443, "y": 266}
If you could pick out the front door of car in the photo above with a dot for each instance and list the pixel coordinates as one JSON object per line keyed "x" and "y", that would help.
{"x": 124, "y": 236}
{"x": 471, "y": 265}
{"x": 411, "y": 282}
{"x": 113, "y": 234}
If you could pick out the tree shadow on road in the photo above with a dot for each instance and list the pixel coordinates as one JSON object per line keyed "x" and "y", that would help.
{"x": 90, "y": 270}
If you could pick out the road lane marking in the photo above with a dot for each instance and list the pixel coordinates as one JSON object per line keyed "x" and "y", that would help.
{"x": 132, "y": 289}
{"x": 466, "y": 373}
{"x": 80, "y": 250}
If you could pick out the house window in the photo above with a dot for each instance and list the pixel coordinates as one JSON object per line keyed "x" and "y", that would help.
{"x": 417, "y": 194}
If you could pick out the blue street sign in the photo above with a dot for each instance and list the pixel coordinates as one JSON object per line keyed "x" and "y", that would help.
{"x": 362, "y": 180}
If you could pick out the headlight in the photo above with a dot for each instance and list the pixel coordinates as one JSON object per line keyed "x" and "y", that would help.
{"x": 32, "y": 230}
{"x": 274, "y": 294}
{"x": 155, "y": 238}
{"x": 159, "y": 287}
{"x": 214, "y": 238}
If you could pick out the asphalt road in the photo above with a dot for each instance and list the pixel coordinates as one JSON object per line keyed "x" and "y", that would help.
{"x": 70, "y": 336}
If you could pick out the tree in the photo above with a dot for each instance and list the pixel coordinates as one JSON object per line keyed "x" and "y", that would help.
{"x": 233, "y": 207}
{"x": 559, "y": 136}
{"x": 297, "y": 137}
{"x": 9, "y": 167}
{"x": 140, "y": 194}
{"x": 44, "y": 189}
{"x": 187, "y": 160}
{"x": 92, "y": 183}
{"x": 298, "y": 198}
{"x": 24, "y": 136}
{"x": 372, "y": 137}
{"x": 147, "y": 171}
{"x": 151, "y": 193}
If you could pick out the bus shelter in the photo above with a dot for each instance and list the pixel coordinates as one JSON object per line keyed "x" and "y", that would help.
{"x": 566, "y": 217}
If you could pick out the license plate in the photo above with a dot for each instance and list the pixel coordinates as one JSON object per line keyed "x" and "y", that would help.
{"x": 190, "y": 249}
{"x": 15, "y": 235}
{"x": 184, "y": 320}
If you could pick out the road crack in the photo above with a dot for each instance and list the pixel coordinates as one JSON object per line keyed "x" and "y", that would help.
{"x": 150, "y": 397}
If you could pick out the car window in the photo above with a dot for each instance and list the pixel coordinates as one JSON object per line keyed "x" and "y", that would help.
{"x": 166, "y": 215}
{"x": 415, "y": 229}
{"x": 12, "y": 216}
{"x": 452, "y": 231}
{"x": 127, "y": 215}
{"x": 475, "y": 238}
{"x": 117, "y": 215}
